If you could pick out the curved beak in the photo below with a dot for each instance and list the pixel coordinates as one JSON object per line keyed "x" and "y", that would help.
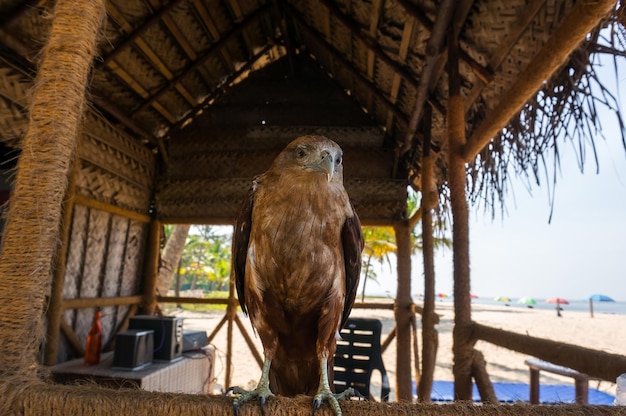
{"x": 326, "y": 165}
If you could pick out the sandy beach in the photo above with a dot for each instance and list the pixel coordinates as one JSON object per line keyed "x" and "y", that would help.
{"x": 602, "y": 332}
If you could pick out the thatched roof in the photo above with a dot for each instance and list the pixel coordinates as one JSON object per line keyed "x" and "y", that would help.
{"x": 166, "y": 67}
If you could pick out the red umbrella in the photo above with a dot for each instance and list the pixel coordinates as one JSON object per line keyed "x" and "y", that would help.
{"x": 557, "y": 300}
{"x": 473, "y": 296}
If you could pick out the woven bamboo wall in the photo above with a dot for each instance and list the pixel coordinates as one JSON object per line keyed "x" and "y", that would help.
{"x": 106, "y": 251}
{"x": 213, "y": 160}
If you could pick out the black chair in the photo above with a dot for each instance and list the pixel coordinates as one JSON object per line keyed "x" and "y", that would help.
{"x": 358, "y": 354}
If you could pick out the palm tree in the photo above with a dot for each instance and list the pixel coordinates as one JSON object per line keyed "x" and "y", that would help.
{"x": 175, "y": 236}
{"x": 379, "y": 243}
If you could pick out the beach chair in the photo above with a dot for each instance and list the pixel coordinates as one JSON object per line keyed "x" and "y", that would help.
{"x": 358, "y": 355}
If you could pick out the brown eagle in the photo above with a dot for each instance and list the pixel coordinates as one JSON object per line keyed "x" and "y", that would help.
{"x": 296, "y": 261}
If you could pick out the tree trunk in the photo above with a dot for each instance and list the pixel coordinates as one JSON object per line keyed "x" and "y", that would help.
{"x": 367, "y": 270}
{"x": 171, "y": 256}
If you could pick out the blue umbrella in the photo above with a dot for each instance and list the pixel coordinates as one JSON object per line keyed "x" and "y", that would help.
{"x": 597, "y": 298}
{"x": 601, "y": 298}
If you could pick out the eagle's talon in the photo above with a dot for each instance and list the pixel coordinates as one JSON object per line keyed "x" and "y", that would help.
{"x": 316, "y": 405}
{"x": 330, "y": 398}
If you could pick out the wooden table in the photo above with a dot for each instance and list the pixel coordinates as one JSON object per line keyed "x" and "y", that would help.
{"x": 581, "y": 381}
{"x": 193, "y": 373}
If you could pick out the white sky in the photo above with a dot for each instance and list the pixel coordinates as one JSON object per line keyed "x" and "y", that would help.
{"x": 581, "y": 252}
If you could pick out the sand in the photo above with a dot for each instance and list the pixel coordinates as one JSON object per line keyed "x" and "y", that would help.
{"x": 602, "y": 332}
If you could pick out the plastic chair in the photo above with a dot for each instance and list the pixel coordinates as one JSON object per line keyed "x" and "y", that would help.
{"x": 358, "y": 354}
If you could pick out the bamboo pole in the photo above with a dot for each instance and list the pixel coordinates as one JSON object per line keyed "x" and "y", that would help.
{"x": 110, "y": 209}
{"x": 483, "y": 383}
{"x": 403, "y": 313}
{"x": 599, "y": 364}
{"x": 71, "y": 337}
{"x": 55, "y": 304}
{"x": 572, "y": 30}
{"x": 430, "y": 337}
{"x": 80, "y": 303}
{"x": 152, "y": 268}
{"x": 31, "y": 235}
{"x": 249, "y": 342}
{"x": 462, "y": 344}
{"x": 231, "y": 310}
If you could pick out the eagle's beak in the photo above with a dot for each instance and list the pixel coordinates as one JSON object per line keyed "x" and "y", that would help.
{"x": 327, "y": 165}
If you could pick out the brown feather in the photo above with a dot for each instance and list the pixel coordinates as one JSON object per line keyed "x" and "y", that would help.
{"x": 297, "y": 258}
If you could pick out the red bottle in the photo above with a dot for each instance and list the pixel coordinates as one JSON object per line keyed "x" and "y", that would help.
{"x": 94, "y": 340}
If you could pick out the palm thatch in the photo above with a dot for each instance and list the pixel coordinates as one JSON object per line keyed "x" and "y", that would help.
{"x": 189, "y": 99}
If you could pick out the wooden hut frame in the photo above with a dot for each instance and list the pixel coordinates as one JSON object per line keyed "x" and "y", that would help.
{"x": 63, "y": 160}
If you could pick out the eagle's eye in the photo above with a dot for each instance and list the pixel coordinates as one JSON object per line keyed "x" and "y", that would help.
{"x": 300, "y": 152}
{"x": 339, "y": 160}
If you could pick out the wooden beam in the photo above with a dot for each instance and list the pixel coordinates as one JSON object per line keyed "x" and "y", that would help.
{"x": 72, "y": 339}
{"x": 368, "y": 41}
{"x": 134, "y": 35}
{"x": 428, "y": 78}
{"x": 148, "y": 52}
{"x": 405, "y": 43}
{"x": 462, "y": 345}
{"x": 462, "y": 9}
{"x": 213, "y": 31}
{"x": 81, "y": 303}
{"x": 403, "y": 313}
{"x": 377, "y": 7}
{"x": 201, "y": 60}
{"x": 151, "y": 275}
{"x": 572, "y": 30}
{"x": 501, "y": 52}
{"x": 430, "y": 336}
{"x": 599, "y": 364}
{"x": 347, "y": 66}
{"x": 199, "y": 301}
{"x": 111, "y": 209}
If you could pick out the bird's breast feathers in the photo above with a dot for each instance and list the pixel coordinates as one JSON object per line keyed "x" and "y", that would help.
{"x": 295, "y": 249}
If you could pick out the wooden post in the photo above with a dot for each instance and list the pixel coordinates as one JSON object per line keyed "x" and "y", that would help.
{"x": 31, "y": 235}
{"x": 430, "y": 338}
{"x": 402, "y": 311}
{"x": 231, "y": 310}
{"x": 462, "y": 344}
{"x": 152, "y": 268}
{"x": 55, "y": 304}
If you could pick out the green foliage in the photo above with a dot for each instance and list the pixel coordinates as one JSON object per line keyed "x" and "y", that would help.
{"x": 380, "y": 242}
{"x": 205, "y": 263}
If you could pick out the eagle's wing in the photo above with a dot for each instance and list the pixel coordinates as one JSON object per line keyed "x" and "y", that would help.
{"x": 352, "y": 241}
{"x": 241, "y": 239}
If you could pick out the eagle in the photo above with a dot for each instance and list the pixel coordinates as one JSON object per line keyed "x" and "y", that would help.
{"x": 297, "y": 249}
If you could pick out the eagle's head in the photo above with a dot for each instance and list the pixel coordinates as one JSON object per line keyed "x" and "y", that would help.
{"x": 313, "y": 157}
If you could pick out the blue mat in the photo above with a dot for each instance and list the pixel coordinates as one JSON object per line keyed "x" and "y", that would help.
{"x": 443, "y": 391}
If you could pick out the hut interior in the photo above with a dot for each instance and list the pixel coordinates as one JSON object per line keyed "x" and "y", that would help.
{"x": 119, "y": 116}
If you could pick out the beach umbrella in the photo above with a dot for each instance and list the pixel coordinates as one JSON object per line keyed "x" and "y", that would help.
{"x": 527, "y": 301}
{"x": 560, "y": 301}
{"x": 473, "y": 296}
{"x": 442, "y": 295}
{"x": 600, "y": 298}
